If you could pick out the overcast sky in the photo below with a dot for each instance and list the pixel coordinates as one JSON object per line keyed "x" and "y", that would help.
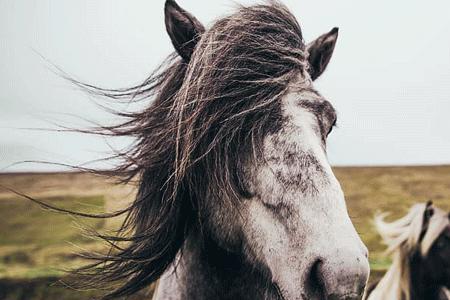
{"x": 389, "y": 78}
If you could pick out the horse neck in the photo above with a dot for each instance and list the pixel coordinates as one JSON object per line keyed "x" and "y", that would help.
{"x": 206, "y": 271}
{"x": 421, "y": 286}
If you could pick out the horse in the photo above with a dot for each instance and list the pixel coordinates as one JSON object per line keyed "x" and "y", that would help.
{"x": 236, "y": 198}
{"x": 420, "y": 244}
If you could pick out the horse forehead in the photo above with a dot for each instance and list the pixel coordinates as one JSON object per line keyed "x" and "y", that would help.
{"x": 306, "y": 105}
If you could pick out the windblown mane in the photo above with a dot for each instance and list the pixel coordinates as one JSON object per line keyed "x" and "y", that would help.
{"x": 405, "y": 237}
{"x": 204, "y": 121}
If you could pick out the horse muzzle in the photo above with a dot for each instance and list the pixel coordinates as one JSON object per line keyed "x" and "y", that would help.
{"x": 342, "y": 277}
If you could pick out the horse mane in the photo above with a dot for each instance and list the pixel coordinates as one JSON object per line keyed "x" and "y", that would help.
{"x": 403, "y": 233}
{"x": 205, "y": 120}
{"x": 405, "y": 237}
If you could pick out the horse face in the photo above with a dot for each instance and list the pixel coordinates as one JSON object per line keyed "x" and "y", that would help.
{"x": 437, "y": 261}
{"x": 294, "y": 227}
{"x": 297, "y": 223}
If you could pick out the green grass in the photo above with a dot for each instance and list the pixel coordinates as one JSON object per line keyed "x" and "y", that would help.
{"x": 35, "y": 242}
{"x": 43, "y": 288}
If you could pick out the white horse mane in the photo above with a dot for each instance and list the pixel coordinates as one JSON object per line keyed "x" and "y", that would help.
{"x": 403, "y": 237}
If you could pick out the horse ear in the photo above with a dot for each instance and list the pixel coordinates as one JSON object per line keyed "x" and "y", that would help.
{"x": 427, "y": 214}
{"x": 320, "y": 51}
{"x": 183, "y": 28}
{"x": 429, "y": 211}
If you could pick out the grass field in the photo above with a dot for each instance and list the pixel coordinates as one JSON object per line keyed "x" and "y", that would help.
{"x": 37, "y": 245}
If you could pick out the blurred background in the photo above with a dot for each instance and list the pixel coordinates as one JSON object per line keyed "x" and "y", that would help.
{"x": 389, "y": 80}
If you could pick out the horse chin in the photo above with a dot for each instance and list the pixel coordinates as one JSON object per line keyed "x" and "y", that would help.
{"x": 310, "y": 292}
{"x": 302, "y": 293}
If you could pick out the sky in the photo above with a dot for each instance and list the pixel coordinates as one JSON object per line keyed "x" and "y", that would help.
{"x": 389, "y": 78}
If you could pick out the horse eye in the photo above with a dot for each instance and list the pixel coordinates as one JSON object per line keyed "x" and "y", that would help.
{"x": 331, "y": 127}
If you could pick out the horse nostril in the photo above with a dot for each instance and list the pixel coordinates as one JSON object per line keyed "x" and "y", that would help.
{"x": 315, "y": 270}
{"x": 340, "y": 277}
{"x": 315, "y": 281}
